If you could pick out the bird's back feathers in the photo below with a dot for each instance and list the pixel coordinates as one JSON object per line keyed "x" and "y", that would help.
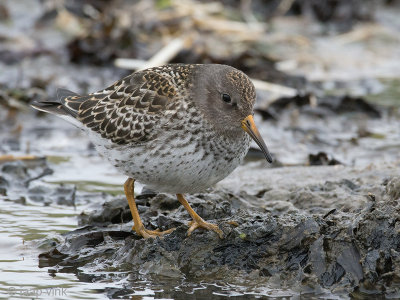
{"x": 130, "y": 110}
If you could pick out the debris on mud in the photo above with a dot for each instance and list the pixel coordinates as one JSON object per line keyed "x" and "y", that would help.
{"x": 321, "y": 106}
{"x": 321, "y": 158}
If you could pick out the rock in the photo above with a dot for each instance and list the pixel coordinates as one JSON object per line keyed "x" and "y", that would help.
{"x": 19, "y": 182}
{"x": 3, "y": 186}
{"x": 321, "y": 158}
{"x": 21, "y": 172}
{"x": 323, "y": 106}
{"x": 63, "y": 194}
{"x": 111, "y": 212}
{"x": 393, "y": 188}
{"x": 336, "y": 251}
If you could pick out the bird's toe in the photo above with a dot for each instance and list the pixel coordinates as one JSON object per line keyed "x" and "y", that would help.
{"x": 203, "y": 224}
{"x": 146, "y": 233}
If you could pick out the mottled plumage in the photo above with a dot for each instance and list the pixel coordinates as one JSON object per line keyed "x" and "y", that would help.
{"x": 133, "y": 108}
{"x": 176, "y": 128}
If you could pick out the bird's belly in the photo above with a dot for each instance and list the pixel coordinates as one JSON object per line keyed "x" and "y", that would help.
{"x": 184, "y": 168}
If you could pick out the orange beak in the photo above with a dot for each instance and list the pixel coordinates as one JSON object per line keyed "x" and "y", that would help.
{"x": 249, "y": 126}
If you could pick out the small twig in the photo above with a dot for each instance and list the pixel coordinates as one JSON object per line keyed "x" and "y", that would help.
{"x": 274, "y": 88}
{"x": 359, "y": 34}
{"x": 283, "y": 7}
{"x": 46, "y": 171}
{"x": 160, "y": 58}
{"x": 130, "y": 63}
{"x": 226, "y": 26}
{"x": 5, "y": 158}
{"x": 247, "y": 12}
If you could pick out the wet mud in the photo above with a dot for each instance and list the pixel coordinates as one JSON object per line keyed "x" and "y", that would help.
{"x": 340, "y": 235}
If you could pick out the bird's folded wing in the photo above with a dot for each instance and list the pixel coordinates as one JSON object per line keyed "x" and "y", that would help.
{"x": 130, "y": 111}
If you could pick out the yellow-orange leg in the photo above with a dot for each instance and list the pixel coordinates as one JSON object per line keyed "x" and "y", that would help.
{"x": 197, "y": 220}
{"x": 137, "y": 222}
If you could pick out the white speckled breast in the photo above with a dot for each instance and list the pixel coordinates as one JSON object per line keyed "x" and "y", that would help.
{"x": 179, "y": 161}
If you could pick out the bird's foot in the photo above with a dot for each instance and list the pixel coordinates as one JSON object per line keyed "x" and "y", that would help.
{"x": 146, "y": 233}
{"x": 203, "y": 224}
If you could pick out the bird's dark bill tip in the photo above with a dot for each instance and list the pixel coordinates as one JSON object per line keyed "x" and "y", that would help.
{"x": 249, "y": 126}
{"x": 268, "y": 156}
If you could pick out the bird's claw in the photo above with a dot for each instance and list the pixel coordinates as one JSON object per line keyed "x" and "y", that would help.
{"x": 203, "y": 224}
{"x": 146, "y": 233}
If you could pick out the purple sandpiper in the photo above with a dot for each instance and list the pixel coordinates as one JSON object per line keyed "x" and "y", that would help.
{"x": 178, "y": 128}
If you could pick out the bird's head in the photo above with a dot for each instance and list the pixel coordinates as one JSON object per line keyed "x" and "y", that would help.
{"x": 226, "y": 96}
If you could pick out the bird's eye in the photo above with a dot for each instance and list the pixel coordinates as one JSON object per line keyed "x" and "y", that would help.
{"x": 226, "y": 98}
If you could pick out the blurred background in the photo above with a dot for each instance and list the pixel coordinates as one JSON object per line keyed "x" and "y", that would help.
{"x": 324, "y": 57}
{"x": 327, "y": 74}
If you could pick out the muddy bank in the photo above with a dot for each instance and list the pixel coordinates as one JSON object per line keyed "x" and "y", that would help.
{"x": 295, "y": 235}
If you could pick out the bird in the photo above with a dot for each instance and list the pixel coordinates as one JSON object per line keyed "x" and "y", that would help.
{"x": 176, "y": 128}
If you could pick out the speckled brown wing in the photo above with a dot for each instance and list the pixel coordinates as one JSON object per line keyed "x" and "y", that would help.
{"x": 131, "y": 110}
